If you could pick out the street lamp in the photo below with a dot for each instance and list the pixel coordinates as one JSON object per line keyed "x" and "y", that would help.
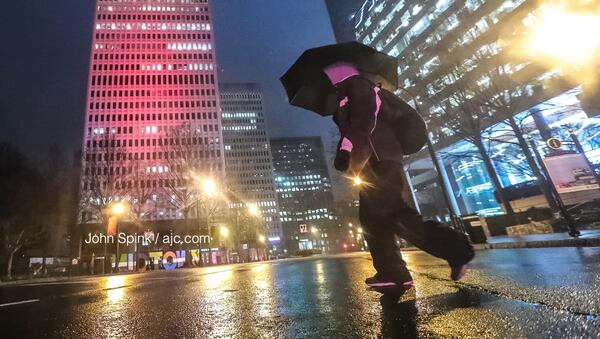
{"x": 261, "y": 238}
{"x": 253, "y": 210}
{"x": 209, "y": 187}
{"x": 357, "y": 181}
{"x": 117, "y": 210}
{"x": 224, "y": 231}
{"x": 574, "y": 40}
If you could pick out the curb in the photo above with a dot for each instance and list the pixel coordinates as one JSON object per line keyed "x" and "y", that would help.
{"x": 577, "y": 242}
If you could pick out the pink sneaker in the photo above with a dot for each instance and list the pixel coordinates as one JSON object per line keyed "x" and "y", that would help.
{"x": 458, "y": 272}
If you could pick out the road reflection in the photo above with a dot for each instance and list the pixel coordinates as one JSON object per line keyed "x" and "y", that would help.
{"x": 115, "y": 288}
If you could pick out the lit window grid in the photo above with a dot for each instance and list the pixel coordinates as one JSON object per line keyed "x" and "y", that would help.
{"x": 107, "y": 100}
{"x": 248, "y": 157}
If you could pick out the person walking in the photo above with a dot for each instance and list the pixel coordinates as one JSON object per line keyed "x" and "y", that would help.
{"x": 369, "y": 149}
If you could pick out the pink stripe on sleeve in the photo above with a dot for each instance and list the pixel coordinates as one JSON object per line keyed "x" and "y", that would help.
{"x": 346, "y": 145}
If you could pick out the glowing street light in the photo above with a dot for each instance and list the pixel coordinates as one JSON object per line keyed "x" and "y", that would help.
{"x": 357, "y": 181}
{"x": 253, "y": 210}
{"x": 209, "y": 187}
{"x": 118, "y": 208}
{"x": 314, "y": 230}
{"x": 224, "y": 231}
{"x": 565, "y": 35}
{"x": 261, "y": 238}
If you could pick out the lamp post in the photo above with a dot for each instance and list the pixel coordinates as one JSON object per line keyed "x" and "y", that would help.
{"x": 255, "y": 214}
{"x": 209, "y": 188}
{"x": 117, "y": 210}
{"x": 224, "y": 234}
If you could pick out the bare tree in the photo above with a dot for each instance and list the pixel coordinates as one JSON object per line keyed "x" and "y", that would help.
{"x": 24, "y": 203}
{"x": 182, "y": 154}
{"x": 104, "y": 179}
{"x": 208, "y": 205}
{"x": 140, "y": 193}
{"x": 465, "y": 119}
{"x": 506, "y": 93}
{"x": 141, "y": 190}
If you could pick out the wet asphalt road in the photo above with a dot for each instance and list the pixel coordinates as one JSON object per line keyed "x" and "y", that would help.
{"x": 533, "y": 293}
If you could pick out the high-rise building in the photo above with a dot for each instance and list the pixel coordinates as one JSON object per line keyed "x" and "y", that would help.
{"x": 454, "y": 55}
{"x": 305, "y": 194}
{"x": 152, "y": 124}
{"x": 248, "y": 160}
{"x": 342, "y": 15}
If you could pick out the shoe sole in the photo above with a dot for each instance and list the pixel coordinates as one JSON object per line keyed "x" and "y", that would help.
{"x": 391, "y": 284}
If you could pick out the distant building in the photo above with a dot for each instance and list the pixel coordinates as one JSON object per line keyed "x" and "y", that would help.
{"x": 305, "y": 194}
{"x": 342, "y": 15}
{"x": 248, "y": 160}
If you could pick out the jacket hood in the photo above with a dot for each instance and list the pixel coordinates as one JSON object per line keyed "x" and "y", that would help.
{"x": 339, "y": 72}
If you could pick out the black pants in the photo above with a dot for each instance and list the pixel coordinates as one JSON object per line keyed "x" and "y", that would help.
{"x": 384, "y": 215}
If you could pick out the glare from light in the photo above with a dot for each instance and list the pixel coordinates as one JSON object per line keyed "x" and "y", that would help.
{"x": 209, "y": 187}
{"x": 357, "y": 181}
{"x": 115, "y": 288}
{"x": 568, "y": 37}
{"x": 118, "y": 208}
{"x": 224, "y": 231}
{"x": 314, "y": 230}
{"x": 261, "y": 238}
{"x": 253, "y": 210}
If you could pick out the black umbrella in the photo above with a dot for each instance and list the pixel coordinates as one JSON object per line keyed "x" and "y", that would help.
{"x": 308, "y": 87}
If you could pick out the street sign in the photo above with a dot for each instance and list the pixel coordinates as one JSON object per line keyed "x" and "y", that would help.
{"x": 303, "y": 228}
{"x": 554, "y": 143}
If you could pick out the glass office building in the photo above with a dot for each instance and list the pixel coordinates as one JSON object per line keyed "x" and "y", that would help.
{"x": 248, "y": 160}
{"x": 305, "y": 194}
{"x": 432, "y": 39}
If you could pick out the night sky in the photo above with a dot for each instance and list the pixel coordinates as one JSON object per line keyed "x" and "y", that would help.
{"x": 45, "y": 56}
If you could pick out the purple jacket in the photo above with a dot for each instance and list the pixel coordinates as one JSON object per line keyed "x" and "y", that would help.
{"x": 363, "y": 134}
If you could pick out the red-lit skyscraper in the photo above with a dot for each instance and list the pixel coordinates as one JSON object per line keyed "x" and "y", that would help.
{"x": 152, "y": 123}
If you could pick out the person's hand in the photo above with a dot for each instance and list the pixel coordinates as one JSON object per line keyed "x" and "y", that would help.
{"x": 342, "y": 160}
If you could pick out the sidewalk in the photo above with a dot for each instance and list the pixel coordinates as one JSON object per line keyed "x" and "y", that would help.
{"x": 587, "y": 238}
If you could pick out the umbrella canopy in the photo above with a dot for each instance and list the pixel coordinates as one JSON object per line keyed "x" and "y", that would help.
{"x": 308, "y": 87}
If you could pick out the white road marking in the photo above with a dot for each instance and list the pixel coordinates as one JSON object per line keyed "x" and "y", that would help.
{"x": 58, "y": 283}
{"x": 20, "y": 302}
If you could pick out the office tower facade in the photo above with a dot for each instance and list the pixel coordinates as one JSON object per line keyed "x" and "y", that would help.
{"x": 456, "y": 54}
{"x": 342, "y": 15}
{"x": 248, "y": 160}
{"x": 305, "y": 194}
{"x": 152, "y": 124}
